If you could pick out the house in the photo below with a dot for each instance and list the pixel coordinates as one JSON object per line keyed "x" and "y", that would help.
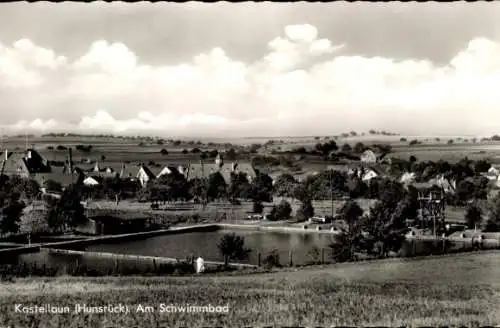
{"x": 369, "y": 173}
{"x": 407, "y": 178}
{"x": 449, "y": 186}
{"x": 203, "y": 170}
{"x": 368, "y": 157}
{"x": 169, "y": 169}
{"x": 493, "y": 173}
{"x": 365, "y": 173}
{"x": 25, "y": 163}
{"x": 92, "y": 181}
{"x": 145, "y": 175}
{"x": 64, "y": 179}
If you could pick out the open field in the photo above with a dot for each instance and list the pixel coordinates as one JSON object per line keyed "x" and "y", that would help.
{"x": 240, "y": 212}
{"x": 385, "y": 293}
{"x": 118, "y": 150}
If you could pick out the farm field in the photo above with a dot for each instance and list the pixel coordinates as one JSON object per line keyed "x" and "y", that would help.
{"x": 117, "y": 151}
{"x": 383, "y": 293}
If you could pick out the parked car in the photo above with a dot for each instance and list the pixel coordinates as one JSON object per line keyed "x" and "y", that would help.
{"x": 317, "y": 219}
{"x": 255, "y": 217}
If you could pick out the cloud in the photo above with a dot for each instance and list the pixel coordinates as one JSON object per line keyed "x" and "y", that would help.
{"x": 304, "y": 84}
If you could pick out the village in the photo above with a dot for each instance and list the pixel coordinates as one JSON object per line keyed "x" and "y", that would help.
{"x": 141, "y": 191}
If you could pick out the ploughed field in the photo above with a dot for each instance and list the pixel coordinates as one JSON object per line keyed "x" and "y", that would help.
{"x": 459, "y": 290}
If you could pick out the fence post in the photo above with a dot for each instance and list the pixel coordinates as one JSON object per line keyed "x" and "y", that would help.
{"x": 322, "y": 256}
{"x": 444, "y": 245}
{"x": 290, "y": 262}
{"x": 258, "y": 259}
{"x": 154, "y": 264}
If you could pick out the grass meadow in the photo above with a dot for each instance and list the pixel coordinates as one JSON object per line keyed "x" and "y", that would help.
{"x": 458, "y": 290}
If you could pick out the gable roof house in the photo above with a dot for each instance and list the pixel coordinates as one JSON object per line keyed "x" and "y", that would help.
{"x": 144, "y": 175}
{"x": 169, "y": 169}
{"x": 203, "y": 170}
{"x": 448, "y": 186}
{"x": 25, "y": 164}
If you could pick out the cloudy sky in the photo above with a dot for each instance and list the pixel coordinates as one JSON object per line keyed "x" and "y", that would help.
{"x": 250, "y": 69}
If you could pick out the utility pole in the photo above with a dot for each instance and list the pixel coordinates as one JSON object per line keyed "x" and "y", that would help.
{"x": 331, "y": 192}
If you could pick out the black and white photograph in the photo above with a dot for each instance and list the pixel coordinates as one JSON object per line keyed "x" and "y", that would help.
{"x": 251, "y": 164}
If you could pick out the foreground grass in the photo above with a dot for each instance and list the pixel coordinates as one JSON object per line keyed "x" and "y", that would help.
{"x": 461, "y": 290}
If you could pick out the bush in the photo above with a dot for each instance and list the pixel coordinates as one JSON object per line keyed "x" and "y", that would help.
{"x": 281, "y": 212}
{"x": 272, "y": 260}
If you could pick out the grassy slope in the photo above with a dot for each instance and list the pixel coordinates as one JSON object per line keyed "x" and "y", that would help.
{"x": 453, "y": 290}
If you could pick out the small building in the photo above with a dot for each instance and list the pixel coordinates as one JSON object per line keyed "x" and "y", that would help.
{"x": 369, "y": 174}
{"x": 145, "y": 175}
{"x": 407, "y": 178}
{"x": 169, "y": 169}
{"x": 493, "y": 173}
{"x": 92, "y": 181}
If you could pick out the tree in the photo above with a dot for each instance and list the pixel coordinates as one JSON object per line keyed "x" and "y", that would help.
{"x": 281, "y": 212}
{"x": 230, "y": 154}
{"x": 305, "y": 211}
{"x": 473, "y": 216}
{"x": 164, "y": 152}
{"x": 284, "y": 185}
{"x": 262, "y": 188}
{"x": 386, "y": 226}
{"x": 68, "y": 210}
{"x": 450, "y": 142}
{"x": 11, "y": 209}
{"x": 346, "y": 244}
{"x": 185, "y": 151}
{"x": 34, "y": 222}
{"x": 493, "y": 222}
{"x": 359, "y": 147}
{"x": 232, "y": 247}
{"x": 413, "y": 159}
{"x": 198, "y": 189}
{"x": 346, "y": 148}
{"x": 239, "y": 187}
{"x": 481, "y": 166}
{"x": 216, "y": 186}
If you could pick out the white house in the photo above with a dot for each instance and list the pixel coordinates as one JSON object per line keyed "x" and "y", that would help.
{"x": 369, "y": 174}
{"x": 407, "y": 178}
{"x": 144, "y": 175}
{"x": 91, "y": 181}
{"x": 167, "y": 170}
{"x": 448, "y": 186}
{"x": 368, "y": 157}
{"x": 493, "y": 173}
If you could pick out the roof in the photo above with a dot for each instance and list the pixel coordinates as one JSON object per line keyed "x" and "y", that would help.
{"x": 422, "y": 185}
{"x": 96, "y": 178}
{"x": 62, "y": 178}
{"x": 198, "y": 170}
{"x": 340, "y": 168}
{"x": 168, "y": 170}
{"x": 29, "y": 161}
{"x": 147, "y": 171}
